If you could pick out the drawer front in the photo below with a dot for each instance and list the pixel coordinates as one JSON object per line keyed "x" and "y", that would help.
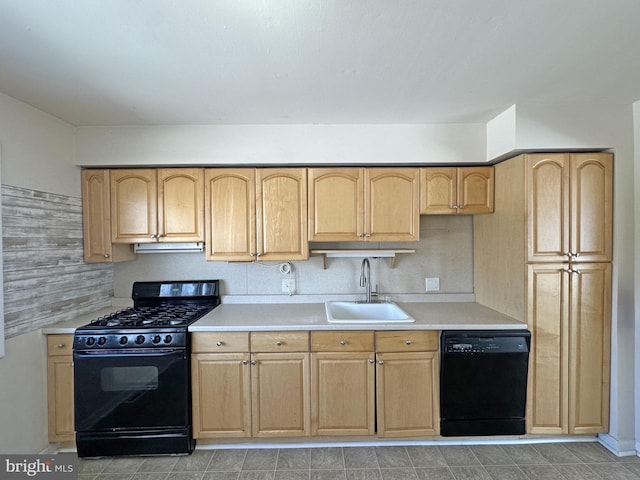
{"x": 59, "y": 345}
{"x": 219, "y": 342}
{"x": 279, "y": 342}
{"x": 342, "y": 341}
{"x": 407, "y": 341}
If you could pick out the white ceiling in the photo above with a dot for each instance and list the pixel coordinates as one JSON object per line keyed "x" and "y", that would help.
{"x": 144, "y": 62}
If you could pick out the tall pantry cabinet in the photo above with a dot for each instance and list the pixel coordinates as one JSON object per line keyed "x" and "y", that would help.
{"x": 555, "y": 274}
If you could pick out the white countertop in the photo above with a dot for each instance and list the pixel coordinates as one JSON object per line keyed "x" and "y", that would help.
{"x": 71, "y": 325}
{"x": 311, "y": 316}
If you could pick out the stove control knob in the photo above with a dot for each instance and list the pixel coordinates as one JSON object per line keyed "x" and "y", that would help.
{"x": 168, "y": 338}
{"x": 102, "y": 341}
{"x": 156, "y": 339}
{"x": 91, "y": 341}
{"x": 140, "y": 339}
{"x": 123, "y": 340}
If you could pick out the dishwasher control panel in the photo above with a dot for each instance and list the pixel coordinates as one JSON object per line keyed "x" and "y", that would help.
{"x": 485, "y": 342}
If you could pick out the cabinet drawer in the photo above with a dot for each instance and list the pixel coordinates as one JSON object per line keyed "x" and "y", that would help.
{"x": 214, "y": 342}
{"x": 279, "y": 341}
{"x": 59, "y": 345}
{"x": 344, "y": 341}
{"x": 407, "y": 341}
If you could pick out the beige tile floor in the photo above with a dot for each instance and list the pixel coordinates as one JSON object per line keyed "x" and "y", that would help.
{"x": 553, "y": 461}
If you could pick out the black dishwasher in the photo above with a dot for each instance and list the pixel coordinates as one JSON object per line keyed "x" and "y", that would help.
{"x": 483, "y": 382}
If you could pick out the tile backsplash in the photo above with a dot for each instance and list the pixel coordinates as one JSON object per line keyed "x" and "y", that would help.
{"x": 445, "y": 250}
{"x": 45, "y": 277}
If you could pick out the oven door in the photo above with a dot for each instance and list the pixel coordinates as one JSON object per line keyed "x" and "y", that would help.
{"x": 131, "y": 389}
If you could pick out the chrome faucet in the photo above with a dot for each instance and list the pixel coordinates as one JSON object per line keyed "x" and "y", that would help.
{"x": 365, "y": 278}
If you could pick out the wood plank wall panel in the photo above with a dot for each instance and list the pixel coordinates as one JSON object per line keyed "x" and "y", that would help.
{"x": 45, "y": 278}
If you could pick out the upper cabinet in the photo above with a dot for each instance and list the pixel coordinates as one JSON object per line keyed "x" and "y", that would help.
{"x": 96, "y": 220}
{"x": 364, "y": 204}
{"x": 456, "y": 190}
{"x": 569, "y": 207}
{"x": 157, "y": 205}
{"x": 256, "y": 214}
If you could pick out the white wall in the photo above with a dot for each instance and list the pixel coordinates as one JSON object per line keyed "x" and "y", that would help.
{"x": 636, "y": 283}
{"x": 37, "y": 153}
{"x": 37, "y": 149}
{"x": 280, "y": 144}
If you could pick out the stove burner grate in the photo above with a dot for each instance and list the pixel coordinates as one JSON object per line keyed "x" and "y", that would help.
{"x": 157, "y": 316}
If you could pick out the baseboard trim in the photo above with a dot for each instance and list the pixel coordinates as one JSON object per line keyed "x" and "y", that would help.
{"x": 620, "y": 448}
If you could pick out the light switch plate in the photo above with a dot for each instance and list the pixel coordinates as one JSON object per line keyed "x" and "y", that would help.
{"x": 432, "y": 284}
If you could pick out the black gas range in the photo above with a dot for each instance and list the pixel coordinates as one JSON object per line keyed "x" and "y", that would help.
{"x": 132, "y": 372}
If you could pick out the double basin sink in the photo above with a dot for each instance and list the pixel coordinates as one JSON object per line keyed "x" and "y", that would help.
{"x": 360, "y": 312}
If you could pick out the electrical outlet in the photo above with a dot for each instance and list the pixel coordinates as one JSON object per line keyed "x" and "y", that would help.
{"x": 288, "y": 285}
{"x": 432, "y": 284}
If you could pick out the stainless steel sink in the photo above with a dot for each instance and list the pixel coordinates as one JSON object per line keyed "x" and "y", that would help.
{"x": 356, "y": 312}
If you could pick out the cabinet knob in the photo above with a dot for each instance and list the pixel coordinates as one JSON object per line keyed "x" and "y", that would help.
{"x": 253, "y": 362}
{"x": 343, "y": 343}
{"x": 279, "y": 343}
{"x": 245, "y": 362}
{"x": 371, "y": 360}
{"x": 367, "y": 235}
{"x": 380, "y": 362}
{"x": 408, "y": 342}
{"x": 62, "y": 345}
{"x": 106, "y": 255}
{"x": 218, "y": 343}
{"x": 361, "y": 235}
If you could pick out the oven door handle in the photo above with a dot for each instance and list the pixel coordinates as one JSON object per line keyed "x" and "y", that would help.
{"x": 128, "y": 352}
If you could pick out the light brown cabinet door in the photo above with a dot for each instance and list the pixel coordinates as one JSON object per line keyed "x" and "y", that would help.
{"x": 456, "y": 190}
{"x": 342, "y": 393}
{"x": 570, "y": 321}
{"x": 438, "y": 190}
{"x": 364, "y": 204}
{"x": 96, "y": 216}
{"x": 548, "y": 320}
{"x": 336, "y": 204}
{"x": 134, "y": 212}
{"x": 221, "y": 395}
{"x": 570, "y": 207}
{"x": 281, "y": 214}
{"x": 230, "y": 214}
{"x": 60, "y": 398}
{"x": 408, "y": 394}
{"x": 280, "y": 394}
{"x": 589, "y": 348}
{"x": 591, "y": 206}
{"x": 180, "y": 205}
{"x": 475, "y": 190}
{"x": 392, "y": 204}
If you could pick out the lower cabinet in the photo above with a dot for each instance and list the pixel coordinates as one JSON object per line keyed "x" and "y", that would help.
{"x": 60, "y": 388}
{"x": 407, "y": 378}
{"x": 264, "y": 393}
{"x": 342, "y": 383}
{"x": 221, "y": 384}
{"x": 333, "y": 383}
{"x": 570, "y": 321}
{"x": 280, "y": 384}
